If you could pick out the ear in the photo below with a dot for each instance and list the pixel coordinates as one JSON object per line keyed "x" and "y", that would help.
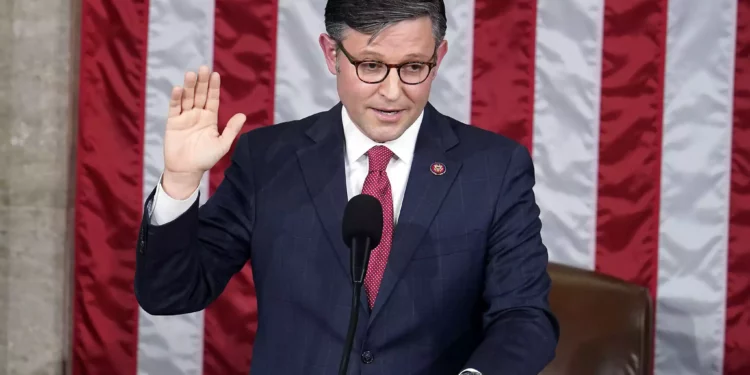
{"x": 441, "y": 51}
{"x": 328, "y": 45}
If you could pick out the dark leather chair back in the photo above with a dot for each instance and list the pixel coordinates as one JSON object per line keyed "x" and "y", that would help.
{"x": 606, "y": 324}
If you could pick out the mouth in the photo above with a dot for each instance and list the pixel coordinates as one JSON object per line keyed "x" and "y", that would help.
{"x": 388, "y": 114}
{"x": 388, "y": 111}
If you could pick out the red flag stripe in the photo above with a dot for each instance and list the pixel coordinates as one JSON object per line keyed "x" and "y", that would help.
{"x": 108, "y": 202}
{"x": 630, "y": 138}
{"x": 503, "y": 68}
{"x": 737, "y": 334}
{"x": 245, "y": 56}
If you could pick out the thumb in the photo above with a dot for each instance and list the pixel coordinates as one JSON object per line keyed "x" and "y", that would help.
{"x": 234, "y": 125}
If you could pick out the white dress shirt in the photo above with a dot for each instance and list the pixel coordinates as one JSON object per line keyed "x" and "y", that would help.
{"x": 166, "y": 208}
{"x": 357, "y": 164}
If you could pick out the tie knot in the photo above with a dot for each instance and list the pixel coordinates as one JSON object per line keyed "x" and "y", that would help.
{"x": 379, "y": 156}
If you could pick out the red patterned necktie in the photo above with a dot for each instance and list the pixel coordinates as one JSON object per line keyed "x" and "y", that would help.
{"x": 378, "y": 185}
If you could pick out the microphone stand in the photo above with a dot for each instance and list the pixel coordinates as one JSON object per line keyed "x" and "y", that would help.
{"x": 359, "y": 260}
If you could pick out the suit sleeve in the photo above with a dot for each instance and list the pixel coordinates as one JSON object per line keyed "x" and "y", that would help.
{"x": 183, "y": 265}
{"x": 521, "y": 332}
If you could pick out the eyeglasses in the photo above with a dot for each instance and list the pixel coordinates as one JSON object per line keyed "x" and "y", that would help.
{"x": 372, "y": 71}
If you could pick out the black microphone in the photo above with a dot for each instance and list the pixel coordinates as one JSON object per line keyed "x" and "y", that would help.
{"x": 362, "y": 229}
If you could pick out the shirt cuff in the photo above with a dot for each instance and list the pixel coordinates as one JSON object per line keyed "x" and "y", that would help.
{"x": 166, "y": 208}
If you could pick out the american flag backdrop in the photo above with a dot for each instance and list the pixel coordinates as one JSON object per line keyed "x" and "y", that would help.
{"x": 636, "y": 112}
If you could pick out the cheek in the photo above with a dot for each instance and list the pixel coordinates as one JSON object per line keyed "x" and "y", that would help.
{"x": 354, "y": 89}
{"x": 418, "y": 93}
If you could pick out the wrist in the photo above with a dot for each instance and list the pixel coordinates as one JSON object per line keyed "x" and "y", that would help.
{"x": 180, "y": 185}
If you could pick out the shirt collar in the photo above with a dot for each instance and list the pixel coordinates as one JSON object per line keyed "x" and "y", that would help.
{"x": 357, "y": 143}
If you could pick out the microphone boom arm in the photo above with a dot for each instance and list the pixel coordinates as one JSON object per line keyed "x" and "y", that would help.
{"x": 360, "y": 257}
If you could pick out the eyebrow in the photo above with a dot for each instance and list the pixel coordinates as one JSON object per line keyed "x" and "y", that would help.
{"x": 408, "y": 57}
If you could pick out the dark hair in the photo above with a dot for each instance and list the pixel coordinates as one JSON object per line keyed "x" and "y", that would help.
{"x": 370, "y": 17}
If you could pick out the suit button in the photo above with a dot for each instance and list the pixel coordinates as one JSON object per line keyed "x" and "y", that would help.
{"x": 367, "y": 357}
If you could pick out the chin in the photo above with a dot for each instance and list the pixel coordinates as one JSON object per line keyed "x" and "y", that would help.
{"x": 387, "y": 133}
{"x": 383, "y": 131}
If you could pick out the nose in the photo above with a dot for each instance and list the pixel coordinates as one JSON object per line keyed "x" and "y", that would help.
{"x": 390, "y": 88}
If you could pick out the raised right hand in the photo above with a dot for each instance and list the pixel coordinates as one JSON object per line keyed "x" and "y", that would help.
{"x": 192, "y": 143}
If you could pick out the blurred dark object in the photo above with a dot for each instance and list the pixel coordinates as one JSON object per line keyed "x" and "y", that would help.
{"x": 606, "y": 324}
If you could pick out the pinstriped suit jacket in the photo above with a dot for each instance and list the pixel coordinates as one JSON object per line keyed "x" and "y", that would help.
{"x": 465, "y": 285}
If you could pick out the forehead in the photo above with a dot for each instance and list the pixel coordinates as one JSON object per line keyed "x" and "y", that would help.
{"x": 406, "y": 39}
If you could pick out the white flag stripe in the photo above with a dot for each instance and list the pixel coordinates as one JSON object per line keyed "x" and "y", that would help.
{"x": 696, "y": 151}
{"x": 566, "y": 126}
{"x": 181, "y": 38}
{"x": 451, "y": 90}
{"x": 303, "y": 84}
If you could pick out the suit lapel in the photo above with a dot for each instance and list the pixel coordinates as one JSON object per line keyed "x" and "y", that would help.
{"x": 322, "y": 165}
{"x": 424, "y": 194}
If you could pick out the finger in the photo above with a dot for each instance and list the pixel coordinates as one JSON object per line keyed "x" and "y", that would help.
{"x": 174, "y": 102}
{"x": 201, "y": 91}
{"x": 234, "y": 125}
{"x": 188, "y": 94}
{"x": 214, "y": 89}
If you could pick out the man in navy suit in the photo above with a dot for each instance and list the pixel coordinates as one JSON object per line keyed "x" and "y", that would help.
{"x": 458, "y": 283}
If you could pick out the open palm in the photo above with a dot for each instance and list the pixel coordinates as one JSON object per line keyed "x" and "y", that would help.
{"x": 192, "y": 142}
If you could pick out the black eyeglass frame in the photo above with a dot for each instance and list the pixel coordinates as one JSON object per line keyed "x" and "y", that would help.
{"x": 430, "y": 64}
